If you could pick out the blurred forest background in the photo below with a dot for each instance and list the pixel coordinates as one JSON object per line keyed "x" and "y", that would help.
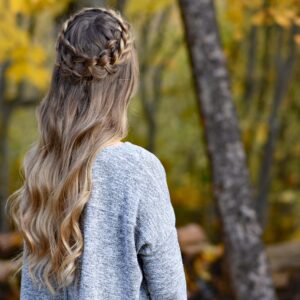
{"x": 260, "y": 40}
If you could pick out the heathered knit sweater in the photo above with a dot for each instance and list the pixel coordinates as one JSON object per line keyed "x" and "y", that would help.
{"x": 131, "y": 249}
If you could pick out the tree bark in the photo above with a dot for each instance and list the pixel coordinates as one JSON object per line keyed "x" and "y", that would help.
{"x": 92, "y": 3}
{"x": 245, "y": 253}
{"x": 284, "y": 71}
{"x": 120, "y": 5}
{"x": 4, "y": 171}
{"x": 7, "y": 109}
{"x": 5, "y": 114}
{"x": 151, "y": 93}
{"x": 266, "y": 61}
{"x": 250, "y": 82}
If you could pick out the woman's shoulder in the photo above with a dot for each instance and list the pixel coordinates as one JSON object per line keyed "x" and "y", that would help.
{"x": 130, "y": 157}
{"x": 147, "y": 159}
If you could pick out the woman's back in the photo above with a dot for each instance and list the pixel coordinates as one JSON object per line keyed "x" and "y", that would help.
{"x": 131, "y": 249}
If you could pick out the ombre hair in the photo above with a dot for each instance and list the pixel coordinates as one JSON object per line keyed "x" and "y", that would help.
{"x": 95, "y": 75}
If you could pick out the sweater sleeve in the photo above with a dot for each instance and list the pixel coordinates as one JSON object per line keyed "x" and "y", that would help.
{"x": 157, "y": 240}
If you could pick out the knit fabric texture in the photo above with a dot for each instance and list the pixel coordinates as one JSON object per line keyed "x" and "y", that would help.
{"x": 131, "y": 248}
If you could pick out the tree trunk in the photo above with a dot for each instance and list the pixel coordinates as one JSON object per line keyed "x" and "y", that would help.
{"x": 4, "y": 123}
{"x": 242, "y": 235}
{"x": 151, "y": 93}
{"x": 4, "y": 171}
{"x": 284, "y": 71}
{"x": 92, "y": 3}
{"x": 250, "y": 82}
{"x": 120, "y": 5}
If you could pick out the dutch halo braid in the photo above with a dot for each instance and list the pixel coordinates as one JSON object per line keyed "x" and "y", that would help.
{"x": 97, "y": 67}
{"x": 84, "y": 110}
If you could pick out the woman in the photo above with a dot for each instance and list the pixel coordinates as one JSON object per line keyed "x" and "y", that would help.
{"x": 95, "y": 212}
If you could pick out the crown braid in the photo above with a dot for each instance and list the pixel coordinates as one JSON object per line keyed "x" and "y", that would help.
{"x": 98, "y": 67}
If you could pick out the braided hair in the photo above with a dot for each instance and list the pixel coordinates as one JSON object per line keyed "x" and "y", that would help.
{"x": 95, "y": 76}
{"x": 78, "y": 63}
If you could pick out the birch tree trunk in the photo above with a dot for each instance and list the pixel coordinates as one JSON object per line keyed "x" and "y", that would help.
{"x": 242, "y": 235}
{"x": 5, "y": 114}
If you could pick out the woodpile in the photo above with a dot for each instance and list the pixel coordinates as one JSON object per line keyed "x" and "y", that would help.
{"x": 284, "y": 261}
{"x": 10, "y": 246}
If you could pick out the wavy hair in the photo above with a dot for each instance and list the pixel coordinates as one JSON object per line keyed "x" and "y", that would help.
{"x": 95, "y": 75}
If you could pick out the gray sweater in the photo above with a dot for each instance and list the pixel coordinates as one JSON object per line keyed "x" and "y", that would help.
{"x": 131, "y": 248}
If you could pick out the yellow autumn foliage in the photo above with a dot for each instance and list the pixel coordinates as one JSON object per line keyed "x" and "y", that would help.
{"x": 297, "y": 39}
{"x": 29, "y": 7}
{"x": 146, "y": 6}
{"x": 261, "y": 18}
{"x": 282, "y": 17}
{"x": 27, "y": 56}
{"x": 211, "y": 253}
{"x": 11, "y": 36}
{"x": 297, "y": 21}
{"x": 28, "y": 62}
{"x": 261, "y": 133}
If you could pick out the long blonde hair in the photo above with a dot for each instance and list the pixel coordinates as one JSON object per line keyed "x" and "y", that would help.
{"x": 95, "y": 75}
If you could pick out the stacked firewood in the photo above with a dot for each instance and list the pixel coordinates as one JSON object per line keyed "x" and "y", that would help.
{"x": 10, "y": 246}
{"x": 205, "y": 266}
{"x": 207, "y": 270}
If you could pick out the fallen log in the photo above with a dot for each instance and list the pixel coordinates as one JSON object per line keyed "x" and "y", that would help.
{"x": 285, "y": 256}
{"x": 10, "y": 244}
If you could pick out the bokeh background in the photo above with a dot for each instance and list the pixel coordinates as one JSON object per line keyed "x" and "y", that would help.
{"x": 260, "y": 42}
